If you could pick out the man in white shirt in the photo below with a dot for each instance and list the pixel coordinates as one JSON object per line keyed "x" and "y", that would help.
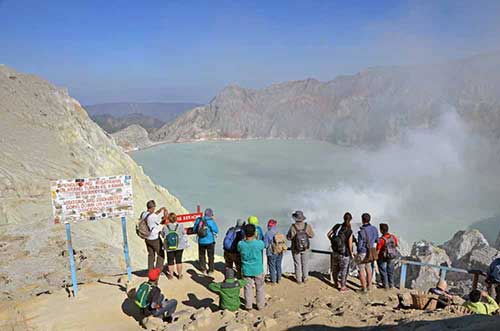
{"x": 154, "y": 244}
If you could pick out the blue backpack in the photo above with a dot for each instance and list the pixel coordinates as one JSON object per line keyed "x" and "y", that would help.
{"x": 231, "y": 239}
{"x": 494, "y": 271}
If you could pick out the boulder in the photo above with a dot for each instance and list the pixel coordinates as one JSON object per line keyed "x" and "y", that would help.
{"x": 152, "y": 323}
{"x": 479, "y": 258}
{"x": 426, "y": 277}
{"x": 462, "y": 243}
{"x": 233, "y": 326}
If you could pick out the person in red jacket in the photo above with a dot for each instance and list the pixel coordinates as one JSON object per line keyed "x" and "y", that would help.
{"x": 387, "y": 253}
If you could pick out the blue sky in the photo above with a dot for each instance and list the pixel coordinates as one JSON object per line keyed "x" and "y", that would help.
{"x": 108, "y": 51}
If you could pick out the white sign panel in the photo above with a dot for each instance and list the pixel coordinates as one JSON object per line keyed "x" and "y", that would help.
{"x": 91, "y": 199}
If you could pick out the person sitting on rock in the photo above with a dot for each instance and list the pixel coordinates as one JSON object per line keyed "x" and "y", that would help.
{"x": 228, "y": 290}
{"x": 251, "y": 250}
{"x": 440, "y": 290}
{"x": 475, "y": 305}
{"x": 493, "y": 279}
{"x": 150, "y": 299}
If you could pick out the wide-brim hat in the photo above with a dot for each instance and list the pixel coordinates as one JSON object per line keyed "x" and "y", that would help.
{"x": 298, "y": 216}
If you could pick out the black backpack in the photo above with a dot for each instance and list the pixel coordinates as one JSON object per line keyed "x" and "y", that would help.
{"x": 338, "y": 239}
{"x": 301, "y": 239}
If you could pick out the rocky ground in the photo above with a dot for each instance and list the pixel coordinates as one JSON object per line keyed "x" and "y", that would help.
{"x": 105, "y": 305}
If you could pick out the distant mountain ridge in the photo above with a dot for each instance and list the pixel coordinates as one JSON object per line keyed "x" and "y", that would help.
{"x": 371, "y": 107}
{"x": 113, "y": 117}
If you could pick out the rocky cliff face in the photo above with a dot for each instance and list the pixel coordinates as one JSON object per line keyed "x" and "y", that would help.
{"x": 371, "y": 107}
{"x": 46, "y": 135}
{"x": 132, "y": 138}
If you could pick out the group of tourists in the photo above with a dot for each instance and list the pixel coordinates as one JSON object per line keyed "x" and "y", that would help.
{"x": 249, "y": 251}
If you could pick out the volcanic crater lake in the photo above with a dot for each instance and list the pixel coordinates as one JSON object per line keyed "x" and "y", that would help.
{"x": 272, "y": 178}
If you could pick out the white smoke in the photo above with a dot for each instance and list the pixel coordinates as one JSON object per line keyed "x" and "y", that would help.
{"x": 433, "y": 183}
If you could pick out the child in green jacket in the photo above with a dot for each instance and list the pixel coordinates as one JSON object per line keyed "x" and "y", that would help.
{"x": 229, "y": 291}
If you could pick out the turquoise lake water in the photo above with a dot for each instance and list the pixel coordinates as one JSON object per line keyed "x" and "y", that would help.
{"x": 420, "y": 195}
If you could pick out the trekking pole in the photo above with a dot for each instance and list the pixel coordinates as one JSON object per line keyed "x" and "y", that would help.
{"x": 71, "y": 259}
{"x": 125, "y": 248}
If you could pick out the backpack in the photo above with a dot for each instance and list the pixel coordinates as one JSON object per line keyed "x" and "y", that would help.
{"x": 278, "y": 246}
{"x": 389, "y": 251}
{"x": 142, "y": 295}
{"x": 494, "y": 272}
{"x": 371, "y": 252}
{"x": 201, "y": 231}
{"x": 301, "y": 239}
{"x": 142, "y": 228}
{"x": 338, "y": 240}
{"x": 172, "y": 238}
{"x": 233, "y": 236}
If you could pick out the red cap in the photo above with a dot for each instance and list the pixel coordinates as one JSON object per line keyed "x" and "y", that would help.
{"x": 271, "y": 223}
{"x": 154, "y": 274}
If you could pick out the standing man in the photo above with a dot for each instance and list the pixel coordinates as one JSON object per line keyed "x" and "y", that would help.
{"x": 232, "y": 257}
{"x": 154, "y": 244}
{"x": 206, "y": 229}
{"x": 275, "y": 243}
{"x": 300, "y": 234}
{"x": 251, "y": 250}
{"x": 387, "y": 253}
{"x": 367, "y": 251}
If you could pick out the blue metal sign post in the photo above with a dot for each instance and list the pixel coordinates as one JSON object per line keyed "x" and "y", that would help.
{"x": 125, "y": 248}
{"x": 71, "y": 259}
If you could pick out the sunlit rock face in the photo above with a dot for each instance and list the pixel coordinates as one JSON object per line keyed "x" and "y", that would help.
{"x": 374, "y": 106}
{"x": 46, "y": 135}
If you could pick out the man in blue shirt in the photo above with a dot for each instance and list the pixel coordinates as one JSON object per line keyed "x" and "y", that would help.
{"x": 206, "y": 229}
{"x": 367, "y": 241}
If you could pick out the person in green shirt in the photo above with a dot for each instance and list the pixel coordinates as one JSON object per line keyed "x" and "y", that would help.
{"x": 229, "y": 291}
{"x": 477, "y": 307}
{"x": 251, "y": 250}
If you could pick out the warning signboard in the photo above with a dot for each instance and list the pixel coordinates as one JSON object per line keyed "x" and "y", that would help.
{"x": 186, "y": 218}
{"x": 91, "y": 199}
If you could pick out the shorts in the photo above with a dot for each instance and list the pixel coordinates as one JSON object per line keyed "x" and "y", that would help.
{"x": 174, "y": 257}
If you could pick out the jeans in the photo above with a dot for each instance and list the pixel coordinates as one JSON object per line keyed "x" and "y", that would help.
{"x": 386, "y": 268}
{"x": 258, "y": 282}
{"x": 301, "y": 265}
{"x": 210, "y": 251}
{"x": 155, "y": 247}
{"x": 340, "y": 267}
{"x": 167, "y": 309}
{"x": 274, "y": 264}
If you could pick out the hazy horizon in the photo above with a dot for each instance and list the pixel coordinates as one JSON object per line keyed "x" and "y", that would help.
{"x": 187, "y": 52}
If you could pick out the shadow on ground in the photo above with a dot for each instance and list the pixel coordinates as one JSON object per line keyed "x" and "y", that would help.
{"x": 196, "y": 303}
{"x": 464, "y": 323}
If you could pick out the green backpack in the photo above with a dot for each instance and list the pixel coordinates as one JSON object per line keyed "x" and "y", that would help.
{"x": 172, "y": 238}
{"x": 142, "y": 295}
